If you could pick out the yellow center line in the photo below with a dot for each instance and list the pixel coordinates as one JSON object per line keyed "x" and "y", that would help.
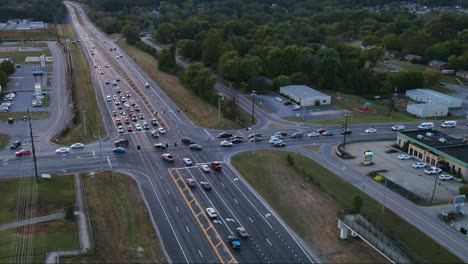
{"x": 197, "y": 205}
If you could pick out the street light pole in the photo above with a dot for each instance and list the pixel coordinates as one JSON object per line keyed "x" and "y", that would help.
{"x": 253, "y": 107}
{"x": 345, "y": 129}
{"x": 219, "y": 109}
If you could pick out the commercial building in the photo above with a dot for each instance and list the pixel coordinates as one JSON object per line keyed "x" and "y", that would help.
{"x": 431, "y": 96}
{"x": 437, "y": 149}
{"x": 427, "y": 110}
{"x": 304, "y": 95}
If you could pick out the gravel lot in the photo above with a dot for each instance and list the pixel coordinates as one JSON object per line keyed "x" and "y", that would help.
{"x": 400, "y": 171}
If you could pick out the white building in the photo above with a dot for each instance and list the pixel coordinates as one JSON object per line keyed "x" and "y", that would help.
{"x": 431, "y": 96}
{"x": 427, "y": 110}
{"x": 304, "y": 95}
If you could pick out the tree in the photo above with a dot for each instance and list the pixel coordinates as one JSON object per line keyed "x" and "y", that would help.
{"x": 166, "y": 58}
{"x": 131, "y": 33}
{"x": 373, "y": 55}
{"x": 3, "y": 79}
{"x": 7, "y": 67}
{"x": 70, "y": 213}
{"x": 190, "y": 49}
{"x": 281, "y": 81}
{"x": 407, "y": 80}
{"x": 198, "y": 79}
{"x": 391, "y": 42}
{"x": 165, "y": 33}
{"x": 212, "y": 47}
{"x": 432, "y": 77}
{"x": 357, "y": 204}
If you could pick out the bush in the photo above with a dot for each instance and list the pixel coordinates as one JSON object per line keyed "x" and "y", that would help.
{"x": 464, "y": 189}
{"x": 70, "y": 213}
{"x": 290, "y": 159}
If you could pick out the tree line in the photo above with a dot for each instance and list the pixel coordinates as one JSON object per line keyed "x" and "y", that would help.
{"x": 49, "y": 11}
{"x": 6, "y": 68}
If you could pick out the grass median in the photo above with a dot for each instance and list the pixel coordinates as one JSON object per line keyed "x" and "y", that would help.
{"x": 122, "y": 230}
{"x": 200, "y": 112}
{"x": 309, "y": 204}
{"x": 4, "y": 138}
{"x": 84, "y": 99}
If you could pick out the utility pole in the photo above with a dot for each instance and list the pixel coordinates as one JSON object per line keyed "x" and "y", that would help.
{"x": 84, "y": 122}
{"x": 433, "y": 191}
{"x": 253, "y": 106}
{"x": 33, "y": 149}
{"x": 303, "y": 110}
{"x": 345, "y": 131}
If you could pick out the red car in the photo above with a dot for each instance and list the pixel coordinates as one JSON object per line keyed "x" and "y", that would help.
{"x": 23, "y": 153}
{"x": 287, "y": 103}
{"x": 321, "y": 130}
{"x": 216, "y": 165}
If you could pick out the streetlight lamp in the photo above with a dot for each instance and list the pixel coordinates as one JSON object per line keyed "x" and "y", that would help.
{"x": 345, "y": 131}
{"x": 253, "y": 106}
{"x": 220, "y": 97}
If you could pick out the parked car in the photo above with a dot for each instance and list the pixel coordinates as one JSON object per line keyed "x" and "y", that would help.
{"x": 190, "y": 182}
{"x": 154, "y": 134}
{"x": 404, "y": 157}
{"x": 296, "y": 107}
{"x": 287, "y": 103}
{"x": 391, "y": 150}
{"x": 445, "y": 177}
{"x": 161, "y": 130}
{"x": 432, "y": 170}
{"x": 418, "y": 165}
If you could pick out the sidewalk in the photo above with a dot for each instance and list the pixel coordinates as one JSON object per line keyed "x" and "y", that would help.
{"x": 31, "y": 221}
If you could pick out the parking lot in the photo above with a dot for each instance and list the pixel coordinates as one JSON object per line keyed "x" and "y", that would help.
{"x": 22, "y": 82}
{"x": 269, "y": 102}
{"x": 400, "y": 171}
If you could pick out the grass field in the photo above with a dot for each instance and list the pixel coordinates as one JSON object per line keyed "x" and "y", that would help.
{"x": 48, "y": 236}
{"x": 53, "y": 196}
{"x": 120, "y": 222}
{"x": 19, "y": 56}
{"x": 29, "y": 35}
{"x": 19, "y": 115}
{"x": 4, "y": 138}
{"x": 311, "y": 211}
{"x": 200, "y": 112}
{"x": 85, "y": 99}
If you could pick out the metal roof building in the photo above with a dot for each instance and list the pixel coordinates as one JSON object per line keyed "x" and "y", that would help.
{"x": 427, "y": 110}
{"x": 304, "y": 95}
{"x": 431, "y": 96}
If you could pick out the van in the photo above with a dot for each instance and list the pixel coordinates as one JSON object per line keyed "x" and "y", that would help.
{"x": 448, "y": 124}
{"x": 426, "y": 125}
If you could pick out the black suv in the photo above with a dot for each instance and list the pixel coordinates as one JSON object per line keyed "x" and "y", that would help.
{"x": 225, "y": 135}
{"x": 15, "y": 144}
{"x": 187, "y": 140}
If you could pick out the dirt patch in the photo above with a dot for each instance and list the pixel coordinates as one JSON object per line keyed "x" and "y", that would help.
{"x": 307, "y": 209}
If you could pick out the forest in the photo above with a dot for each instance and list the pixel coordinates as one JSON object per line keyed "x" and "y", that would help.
{"x": 268, "y": 44}
{"x": 49, "y": 11}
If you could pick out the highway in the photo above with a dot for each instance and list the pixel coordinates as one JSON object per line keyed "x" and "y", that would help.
{"x": 177, "y": 210}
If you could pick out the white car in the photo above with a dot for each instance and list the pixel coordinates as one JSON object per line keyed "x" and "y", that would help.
{"x": 62, "y": 150}
{"x": 77, "y": 145}
{"x": 276, "y": 136}
{"x": 205, "y": 168}
{"x": 108, "y": 98}
{"x": 296, "y": 107}
{"x": 432, "y": 170}
{"x": 418, "y": 165}
{"x": 371, "y": 130}
{"x": 138, "y": 127}
{"x": 187, "y": 161}
{"x": 225, "y": 143}
{"x": 147, "y": 85}
{"x": 445, "y": 177}
{"x": 107, "y": 81}
{"x": 279, "y": 99}
{"x": 275, "y": 141}
{"x": 162, "y": 130}
{"x": 404, "y": 157}
{"x": 313, "y": 134}
{"x": 398, "y": 127}
{"x": 211, "y": 212}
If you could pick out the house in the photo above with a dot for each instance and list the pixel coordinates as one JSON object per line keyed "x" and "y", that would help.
{"x": 463, "y": 76}
{"x": 413, "y": 58}
{"x": 437, "y": 65}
